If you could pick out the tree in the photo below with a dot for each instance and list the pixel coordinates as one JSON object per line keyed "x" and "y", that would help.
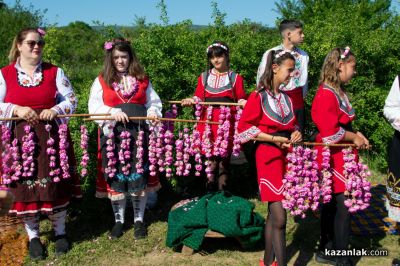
{"x": 217, "y": 15}
{"x": 163, "y": 12}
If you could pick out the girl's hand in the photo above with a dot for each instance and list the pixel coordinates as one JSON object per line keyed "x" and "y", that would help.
{"x": 121, "y": 117}
{"x": 281, "y": 142}
{"x": 296, "y": 136}
{"x": 359, "y": 142}
{"x": 366, "y": 141}
{"x": 47, "y": 114}
{"x": 27, "y": 114}
{"x": 187, "y": 102}
{"x": 242, "y": 102}
{"x": 154, "y": 118}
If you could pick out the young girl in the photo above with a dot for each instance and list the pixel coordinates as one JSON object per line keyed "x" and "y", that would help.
{"x": 268, "y": 115}
{"x": 122, "y": 89}
{"x": 218, "y": 84}
{"x": 333, "y": 114}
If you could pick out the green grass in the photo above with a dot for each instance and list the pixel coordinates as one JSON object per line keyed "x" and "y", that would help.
{"x": 89, "y": 224}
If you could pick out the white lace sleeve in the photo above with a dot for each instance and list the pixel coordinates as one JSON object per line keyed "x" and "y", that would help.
{"x": 391, "y": 109}
{"x": 153, "y": 104}
{"x": 66, "y": 101}
{"x": 6, "y": 109}
{"x": 261, "y": 67}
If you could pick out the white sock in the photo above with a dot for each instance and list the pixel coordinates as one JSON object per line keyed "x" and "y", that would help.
{"x": 118, "y": 207}
{"x": 31, "y": 226}
{"x": 58, "y": 221}
{"x": 139, "y": 205}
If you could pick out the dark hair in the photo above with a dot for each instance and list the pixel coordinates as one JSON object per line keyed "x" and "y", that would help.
{"x": 289, "y": 24}
{"x": 218, "y": 49}
{"x": 330, "y": 69}
{"x": 18, "y": 39}
{"x": 274, "y": 57}
{"x": 109, "y": 72}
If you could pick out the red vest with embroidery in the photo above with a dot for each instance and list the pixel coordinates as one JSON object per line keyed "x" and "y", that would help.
{"x": 42, "y": 96}
{"x": 113, "y": 98}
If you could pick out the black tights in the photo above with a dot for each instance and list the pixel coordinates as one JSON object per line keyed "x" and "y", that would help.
{"x": 220, "y": 169}
{"x": 335, "y": 223}
{"x": 275, "y": 234}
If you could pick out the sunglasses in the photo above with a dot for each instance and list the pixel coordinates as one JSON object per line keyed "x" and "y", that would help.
{"x": 32, "y": 44}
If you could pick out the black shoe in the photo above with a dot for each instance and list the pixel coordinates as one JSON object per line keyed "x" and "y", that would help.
{"x": 321, "y": 257}
{"x": 62, "y": 245}
{"x": 396, "y": 262}
{"x": 36, "y": 250}
{"x": 116, "y": 231}
{"x": 140, "y": 230}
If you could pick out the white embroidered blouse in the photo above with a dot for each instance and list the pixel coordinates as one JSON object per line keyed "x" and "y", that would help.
{"x": 65, "y": 98}
{"x": 391, "y": 109}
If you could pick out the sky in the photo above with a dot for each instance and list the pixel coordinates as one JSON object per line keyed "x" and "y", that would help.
{"x": 123, "y": 12}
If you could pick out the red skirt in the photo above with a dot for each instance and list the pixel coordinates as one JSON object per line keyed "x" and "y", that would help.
{"x": 296, "y": 95}
{"x": 271, "y": 167}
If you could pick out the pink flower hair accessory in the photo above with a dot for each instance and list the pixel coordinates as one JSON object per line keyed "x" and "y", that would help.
{"x": 345, "y": 53}
{"x": 108, "y": 45}
{"x": 42, "y": 32}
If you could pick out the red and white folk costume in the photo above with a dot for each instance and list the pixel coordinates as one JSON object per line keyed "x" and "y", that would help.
{"x": 333, "y": 116}
{"x": 225, "y": 87}
{"x": 265, "y": 113}
{"x": 49, "y": 88}
{"x": 145, "y": 102}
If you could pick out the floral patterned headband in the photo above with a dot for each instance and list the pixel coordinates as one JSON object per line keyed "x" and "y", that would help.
{"x": 345, "y": 53}
{"x": 283, "y": 52}
{"x": 217, "y": 45}
{"x": 109, "y": 45}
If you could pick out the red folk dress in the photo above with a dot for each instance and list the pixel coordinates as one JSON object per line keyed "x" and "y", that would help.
{"x": 273, "y": 115}
{"x": 132, "y": 107}
{"x": 333, "y": 116}
{"x": 219, "y": 88}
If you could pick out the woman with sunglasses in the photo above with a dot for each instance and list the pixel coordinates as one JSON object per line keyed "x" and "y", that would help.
{"x": 37, "y": 92}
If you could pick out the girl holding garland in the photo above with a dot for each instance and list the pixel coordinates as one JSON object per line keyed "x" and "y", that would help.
{"x": 268, "y": 115}
{"x": 218, "y": 84}
{"x": 122, "y": 89}
{"x": 37, "y": 92}
{"x": 333, "y": 114}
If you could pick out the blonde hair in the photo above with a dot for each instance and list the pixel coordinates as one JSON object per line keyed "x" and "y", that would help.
{"x": 330, "y": 73}
{"x": 21, "y": 36}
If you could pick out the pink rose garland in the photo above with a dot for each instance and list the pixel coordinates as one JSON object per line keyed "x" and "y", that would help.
{"x": 6, "y": 155}
{"x": 152, "y": 151}
{"x": 357, "y": 186}
{"x": 63, "y": 146}
{"x": 207, "y": 145}
{"x": 110, "y": 170}
{"x": 236, "y": 142}
{"x": 168, "y": 140}
{"x": 85, "y": 154}
{"x": 326, "y": 176}
{"x": 139, "y": 152}
{"x": 124, "y": 153}
{"x": 28, "y": 148}
{"x": 301, "y": 190}
{"x": 51, "y": 153}
{"x": 186, "y": 152}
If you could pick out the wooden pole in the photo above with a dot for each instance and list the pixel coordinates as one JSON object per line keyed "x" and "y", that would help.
{"x": 160, "y": 119}
{"x": 209, "y": 103}
{"x": 58, "y": 116}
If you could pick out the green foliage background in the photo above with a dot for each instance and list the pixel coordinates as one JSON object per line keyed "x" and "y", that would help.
{"x": 174, "y": 55}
